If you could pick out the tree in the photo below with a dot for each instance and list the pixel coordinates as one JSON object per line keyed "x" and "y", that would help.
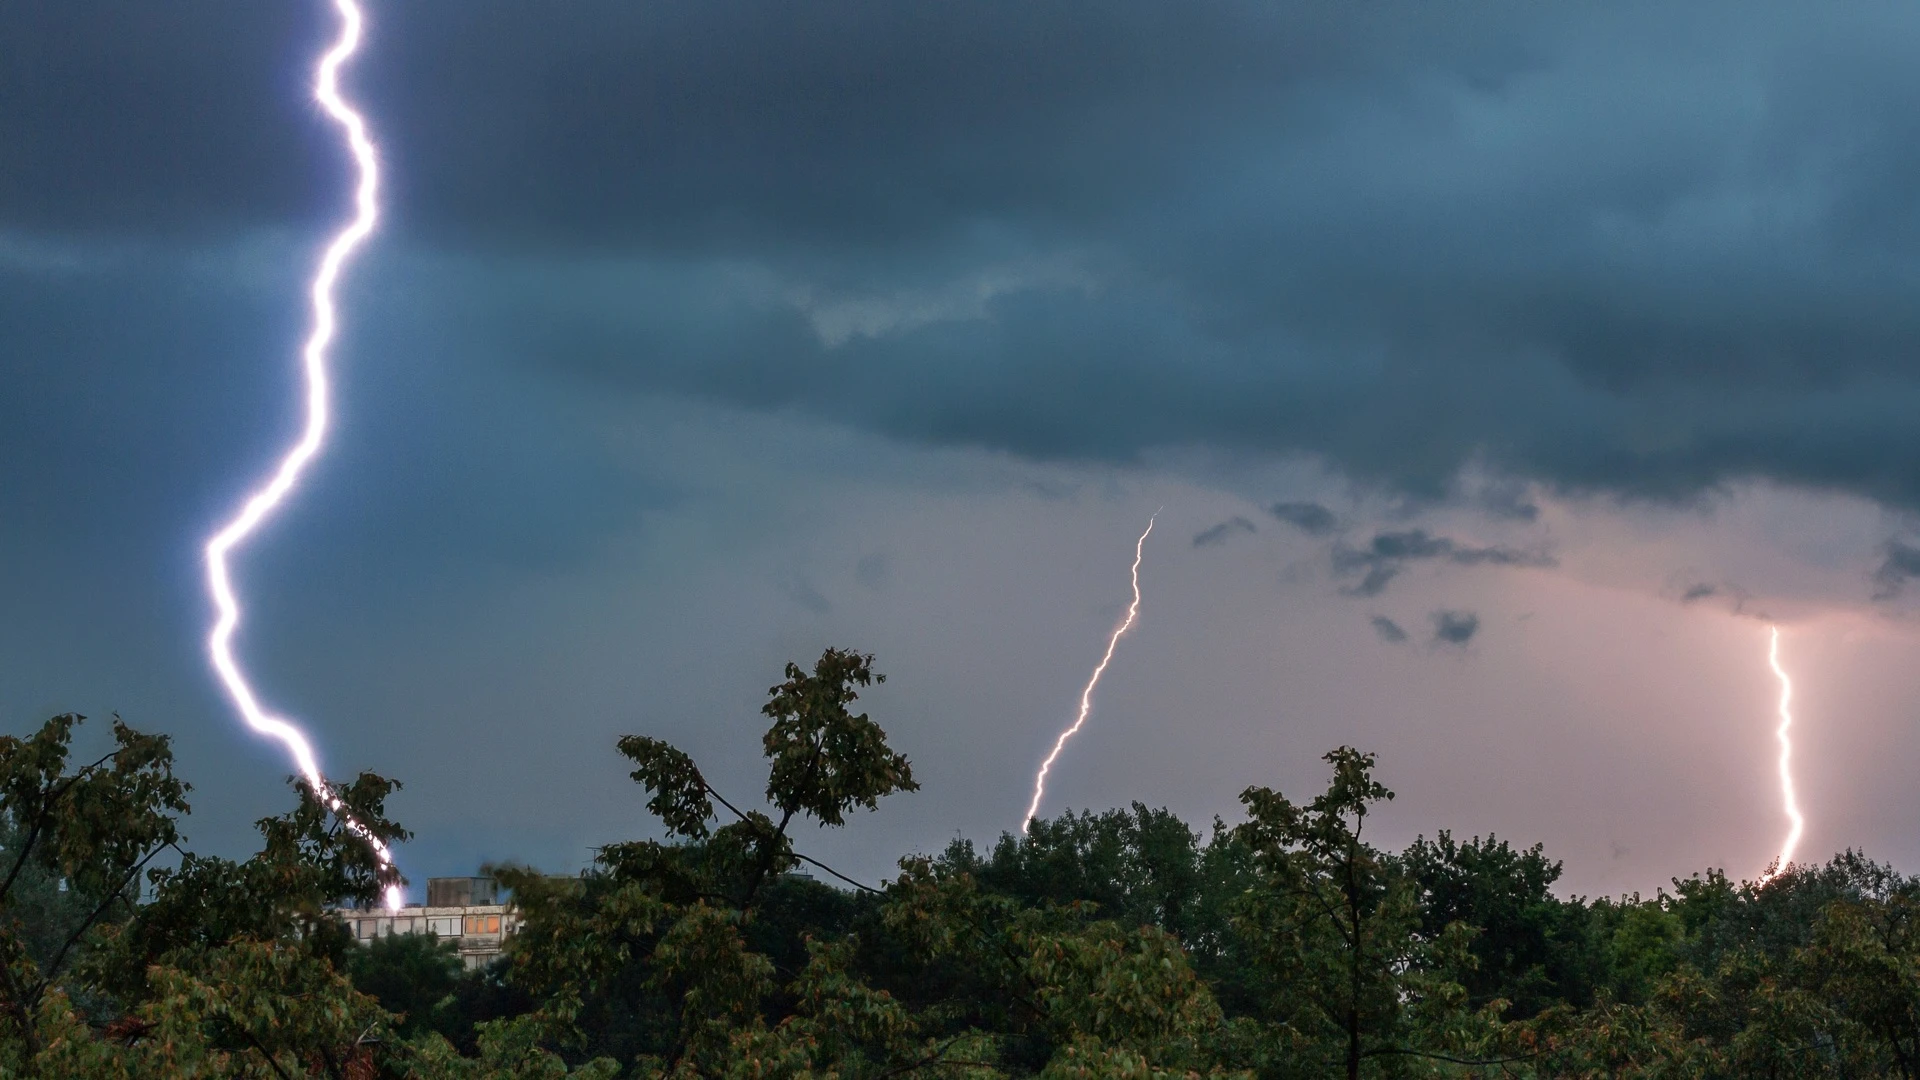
{"x": 225, "y": 969}
{"x": 1100, "y": 945}
{"x": 93, "y": 830}
{"x": 1043, "y": 988}
{"x": 1863, "y": 961}
{"x": 646, "y": 956}
{"x": 1335, "y": 922}
{"x": 1530, "y": 948}
{"x": 412, "y": 976}
{"x": 1138, "y": 867}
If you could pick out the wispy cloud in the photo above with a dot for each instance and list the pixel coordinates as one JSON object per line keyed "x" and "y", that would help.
{"x": 1309, "y": 517}
{"x": 1382, "y": 559}
{"x": 1901, "y": 565}
{"x": 1389, "y": 631}
{"x": 1454, "y": 627}
{"x": 1221, "y": 533}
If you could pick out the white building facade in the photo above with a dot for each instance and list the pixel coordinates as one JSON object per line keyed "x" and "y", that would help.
{"x": 466, "y": 911}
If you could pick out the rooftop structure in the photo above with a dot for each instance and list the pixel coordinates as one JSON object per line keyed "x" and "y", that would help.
{"x": 467, "y": 911}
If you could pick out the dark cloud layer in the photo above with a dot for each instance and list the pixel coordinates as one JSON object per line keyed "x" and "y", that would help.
{"x": 1627, "y": 248}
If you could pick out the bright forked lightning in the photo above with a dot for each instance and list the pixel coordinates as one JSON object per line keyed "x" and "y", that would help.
{"x": 1086, "y": 695}
{"x": 267, "y": 498}
{"x": 1786, "y": 757}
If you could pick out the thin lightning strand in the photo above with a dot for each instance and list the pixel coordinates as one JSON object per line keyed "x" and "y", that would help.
{"x": 1086, "y": 695}
{"x": 268, "y": 498}
{"x": 1786, "y": 756}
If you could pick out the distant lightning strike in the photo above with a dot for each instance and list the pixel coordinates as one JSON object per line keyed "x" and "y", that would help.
{"x": 1786, "y": 757}
{"x": 1086, "y": 695}
{"x": 268, "y": 498}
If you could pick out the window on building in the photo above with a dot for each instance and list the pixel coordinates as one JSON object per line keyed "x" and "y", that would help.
{"x": 447, "y": 927}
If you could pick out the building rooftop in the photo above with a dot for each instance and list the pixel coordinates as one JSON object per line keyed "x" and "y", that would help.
{"x": 467, "y": 911}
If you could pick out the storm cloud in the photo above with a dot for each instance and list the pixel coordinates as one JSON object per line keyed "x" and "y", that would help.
{"x": 1389, "y": 631}
{"x": 1310, "y": 518}
{"x": 1218, "y": 534}
{"x": 1454, "y": 627}
{"x": 1382, "y": 558}
{"x": 1901, "y": 565}
{"x": 1623, "y": 249}
{"x": 701, "y": 336}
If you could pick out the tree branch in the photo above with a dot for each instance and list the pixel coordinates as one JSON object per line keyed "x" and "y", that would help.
{"x": 1400, "y": 1052}
{"x": 933, "y": 1057}
{"x": 722, "y": 799}
{"x": 18, "y": 1005}
{"x": 46, "y": 977}
{"x": 255, "y": 1042}
{"x": 780, "y": 830}
{"x": 26, "y": 847}
{"x": 48, "y": 796}
{"x": 836, "y": 873}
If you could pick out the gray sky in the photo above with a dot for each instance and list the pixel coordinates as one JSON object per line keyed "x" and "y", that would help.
{"x": 1503, "y": 370}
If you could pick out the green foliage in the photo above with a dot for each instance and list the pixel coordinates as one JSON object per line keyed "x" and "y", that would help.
{"x": 44, "y": 907}
{"x": 1136, "y": 866}
{"x": 679, "y": 791}
{"x": 827, "y": 760}
{"x": 1109, "y": 945}
{"x": 226, "y": 969}
{"x": 93, "y": 829}
{"x": 412, "y": 976}
{"x": 1334, "y": 925}
{"x": 647, "y": 956}
{"x": 1531, "y": 948}
{"x": 509, "y": 1049}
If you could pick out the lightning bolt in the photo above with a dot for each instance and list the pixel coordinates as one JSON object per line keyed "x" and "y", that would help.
{"x": 1785, "y": 858}
{"x": 266, "y": 499}
{"x": 1086, "y": 695}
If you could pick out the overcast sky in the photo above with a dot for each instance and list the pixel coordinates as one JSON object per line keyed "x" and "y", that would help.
{"x": 1503, "y": 370}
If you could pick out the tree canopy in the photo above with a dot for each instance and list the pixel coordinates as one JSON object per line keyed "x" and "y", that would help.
{"x": 1122, "y": 944}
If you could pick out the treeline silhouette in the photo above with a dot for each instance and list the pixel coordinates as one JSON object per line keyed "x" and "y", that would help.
{"x": 1119, "y": 944}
